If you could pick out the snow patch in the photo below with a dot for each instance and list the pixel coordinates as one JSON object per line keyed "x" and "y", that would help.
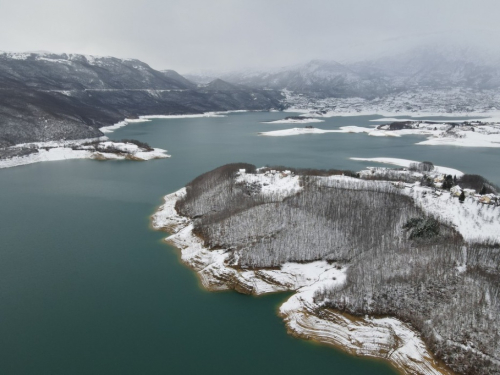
{"x": 294, "y": 121}
{"x": 278, "y": 183}
{"x": 343, "y": 129}
{"x": 407, "y": 163}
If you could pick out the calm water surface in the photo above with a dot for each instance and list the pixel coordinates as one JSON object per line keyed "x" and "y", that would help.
{"x": 86, "y": 287}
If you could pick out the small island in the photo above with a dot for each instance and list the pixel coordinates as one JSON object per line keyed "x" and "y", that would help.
{"x": 400, "y": 264}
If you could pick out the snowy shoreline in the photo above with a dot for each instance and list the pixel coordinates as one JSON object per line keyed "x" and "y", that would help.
{"x": 483, "y": 135}
{"x": 474, "y": 115}
{"x": 386, "y": 338}
{"x": 300, "y": 131}
{"x": 148, "y": 118}
{"x": 294, "y": 120}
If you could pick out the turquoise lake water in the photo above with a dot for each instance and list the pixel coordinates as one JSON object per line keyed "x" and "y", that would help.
{"x": 87, "y": 287}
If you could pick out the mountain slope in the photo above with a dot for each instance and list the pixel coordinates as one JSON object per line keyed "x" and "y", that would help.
{"x": 172, "y": 74}
{"x": 49, "y": 97}
{"x": 77, "y": 72}
{"x": 327, "y": 78}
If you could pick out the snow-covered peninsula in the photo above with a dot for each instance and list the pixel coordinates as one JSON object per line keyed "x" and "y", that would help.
{"x": 97, "y": 149}
{"x": 251, "y": 255}
{"x": 383, "y": 338}
{"x": 477, "y": 133}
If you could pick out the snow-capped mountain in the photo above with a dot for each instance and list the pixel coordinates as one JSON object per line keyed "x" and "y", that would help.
{"x": 77, "y": 72}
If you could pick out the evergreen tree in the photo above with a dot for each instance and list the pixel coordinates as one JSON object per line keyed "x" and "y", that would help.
{"x": 448, "y": 182}
{"x": 461, "y": 198}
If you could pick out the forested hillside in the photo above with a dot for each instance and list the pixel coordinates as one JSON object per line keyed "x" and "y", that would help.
{"x": 45, "y": 97}
{"x": 402, "y": 262}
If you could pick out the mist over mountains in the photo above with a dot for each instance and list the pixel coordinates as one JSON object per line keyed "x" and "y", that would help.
{"x": 432, "y": 66}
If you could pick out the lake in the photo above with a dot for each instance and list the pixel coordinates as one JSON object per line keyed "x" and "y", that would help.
{"x": 87, "y": 287}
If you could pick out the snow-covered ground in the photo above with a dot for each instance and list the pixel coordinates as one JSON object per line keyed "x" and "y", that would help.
{"x": 386, "y": 338}
{"x": 121, "y": 124}
{"x": 206, "y": 114}
{"x": 296, "y": 131}
{"x": 147, "y": 118}
{"x": 300, "y": 131}
{"x": 304, "y": 120}
{"x": 457, "y": 102}
{"x": 478, "y": 135}
{"x": 407, "y": 163}
{"x": 64, "y": 150}
{"x": 272, "y": 182}
{"x": 473, "y": 219}
{"x": 482, "y": 136}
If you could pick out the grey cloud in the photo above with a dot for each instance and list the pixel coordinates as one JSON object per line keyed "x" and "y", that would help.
{"x": 228, "y": 34}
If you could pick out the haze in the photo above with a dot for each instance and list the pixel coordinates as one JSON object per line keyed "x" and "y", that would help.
{"x": 231, "y": 34}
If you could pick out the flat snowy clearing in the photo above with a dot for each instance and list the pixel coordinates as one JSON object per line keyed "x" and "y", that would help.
{"x": 467, "y": 139}
{"x": 147, "y": 118}
{"x": 300, "y": 131}
{"x": 294, "y": 121}
{"x": 406, "y": 163}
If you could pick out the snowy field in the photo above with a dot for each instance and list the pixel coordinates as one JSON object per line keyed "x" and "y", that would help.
{"x": 301, "y": 131}
{"x": 407, "y": 163}
{"x": 304, "y": 120}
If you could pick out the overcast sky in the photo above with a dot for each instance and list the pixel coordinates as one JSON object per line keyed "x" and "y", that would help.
{"x": 229, "y": 34}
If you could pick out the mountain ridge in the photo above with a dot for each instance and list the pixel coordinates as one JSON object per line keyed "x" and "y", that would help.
{"x": 45, "y": 96}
